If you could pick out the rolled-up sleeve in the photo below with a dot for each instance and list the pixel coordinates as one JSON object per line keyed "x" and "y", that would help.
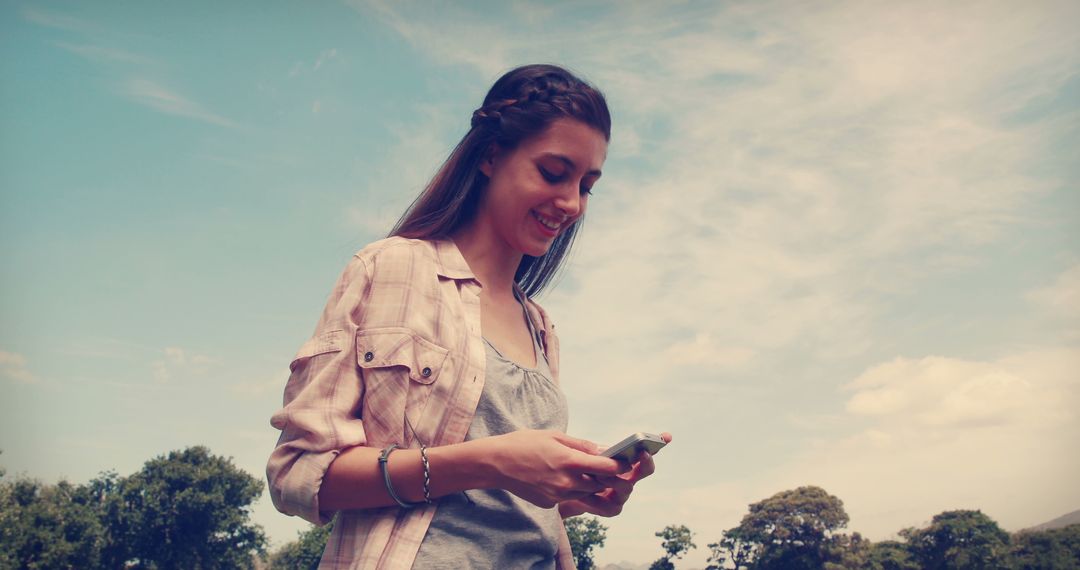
{"x": 320, "y": 415}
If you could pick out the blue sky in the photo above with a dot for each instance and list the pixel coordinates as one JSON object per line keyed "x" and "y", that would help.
{"x": 833, "y": 245}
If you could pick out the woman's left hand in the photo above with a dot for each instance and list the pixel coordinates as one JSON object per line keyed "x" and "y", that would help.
{"x": 610, "y": 501}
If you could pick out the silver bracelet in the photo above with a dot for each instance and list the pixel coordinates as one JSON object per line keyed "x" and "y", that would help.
{"x": 427, "y": 474}
{"x": 386, "y": 477}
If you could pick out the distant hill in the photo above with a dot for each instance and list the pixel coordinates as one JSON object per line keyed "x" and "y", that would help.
{"x": 1062, "y": 521}
{"x": 624, "y": 565}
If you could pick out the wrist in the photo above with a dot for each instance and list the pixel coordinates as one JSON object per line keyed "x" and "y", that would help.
{"x": 485, "y": 459}
{"x": 463, "y": 466}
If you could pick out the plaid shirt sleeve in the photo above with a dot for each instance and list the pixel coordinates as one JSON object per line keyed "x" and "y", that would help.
{"x": 319, "y": 417}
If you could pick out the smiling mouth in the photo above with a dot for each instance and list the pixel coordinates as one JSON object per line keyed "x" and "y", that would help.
{"x": 552, "y": 224}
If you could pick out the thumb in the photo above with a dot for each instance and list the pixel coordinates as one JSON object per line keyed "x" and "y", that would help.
{"x": 582, "y": 445}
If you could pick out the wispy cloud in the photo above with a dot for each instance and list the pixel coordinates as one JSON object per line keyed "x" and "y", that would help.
{"x": 58, "y": 20}
{"x": 153, "y": 95}
{"x": 324, "y": 58}
{"x": 174, "y": 361}
{"x": 453, "y": 38}
{"x": 104, "y": 54}
{"x": 1061, "y": 298}
{"x": 13, "y": 367}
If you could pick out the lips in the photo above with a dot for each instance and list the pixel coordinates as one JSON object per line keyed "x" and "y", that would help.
{"x": 549, "y": 224}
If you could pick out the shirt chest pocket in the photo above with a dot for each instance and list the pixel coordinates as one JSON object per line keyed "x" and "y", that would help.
{"x": 402, "y": 349}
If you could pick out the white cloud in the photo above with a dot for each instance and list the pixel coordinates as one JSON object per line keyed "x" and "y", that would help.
{"x": 942, "y": 433}
{"x": 324, "y": 57}
{"x": 153, "y": 95}
{"x": 272, "y": 384}
{"x": 454, "y": 38}
{"x": 175, "y": 361}
{"x": 942, "y": 392}
{"x": 57, "y": 20}
{"x": 1062, "y": 297}
{"x": 13, "y": 367}
{"x": 104, "y": 54}
{"x": 703, "y": 350}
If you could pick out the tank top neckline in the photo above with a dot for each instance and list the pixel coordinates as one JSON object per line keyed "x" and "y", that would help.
{"x": 538, "y": 353}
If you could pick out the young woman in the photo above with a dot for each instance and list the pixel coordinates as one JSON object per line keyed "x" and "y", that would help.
{"x": 425, "y": 409}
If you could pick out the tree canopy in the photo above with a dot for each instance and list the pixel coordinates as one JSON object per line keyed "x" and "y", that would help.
{"x": 586, "y": 534}
{"x": 305, "y": 552}
{"x": 791, "y": 530}
{"x": 188, "y": 509}
{"x": 959, "y": 540}
{"x": 676, "y": 540}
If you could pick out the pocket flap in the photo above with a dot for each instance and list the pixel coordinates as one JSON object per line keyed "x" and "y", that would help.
{"x": 380, "y": 348}
{"x": 322, "y": 343}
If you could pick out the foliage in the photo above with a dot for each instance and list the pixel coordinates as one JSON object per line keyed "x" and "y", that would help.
{"x": 586, "y": 533}
{"x": 676, "y": 540}
{"x": 48, "y": 526}
{"x": 189, "y": 509}
{"x": 844, "y": 552}
{"x": 791, "y": 530}
{"x": 890, "y": 555}
{"x": 303, "y": 553}
{"x": 733, "y": 548}
{"x": 1057, "y": 549}
{"x": 959, "y": 540}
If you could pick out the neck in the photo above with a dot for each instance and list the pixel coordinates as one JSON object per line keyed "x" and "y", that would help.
{"x": 493, "y": 263}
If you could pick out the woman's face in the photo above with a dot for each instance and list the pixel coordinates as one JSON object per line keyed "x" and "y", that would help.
{"x": 539, "y": 188}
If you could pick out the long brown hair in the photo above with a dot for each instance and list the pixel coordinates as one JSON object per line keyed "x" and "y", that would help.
{"x": 521, "y": 104}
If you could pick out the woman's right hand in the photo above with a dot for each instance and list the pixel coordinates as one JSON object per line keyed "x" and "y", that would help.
{"x": 548, "y": 467}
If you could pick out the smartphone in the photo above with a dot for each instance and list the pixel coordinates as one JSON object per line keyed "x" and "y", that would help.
{"x": 628, "y": 448}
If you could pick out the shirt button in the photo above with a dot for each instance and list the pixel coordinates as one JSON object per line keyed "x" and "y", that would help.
{"x": 369, "y": 356}
{"x": 425, "y": 372}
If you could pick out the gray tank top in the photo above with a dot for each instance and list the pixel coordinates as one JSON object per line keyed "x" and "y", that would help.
{"x": 492, "y": 528}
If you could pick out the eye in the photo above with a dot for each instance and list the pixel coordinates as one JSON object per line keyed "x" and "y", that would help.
{"x": 586, "y": 190}
{"x": 550, "y": 176}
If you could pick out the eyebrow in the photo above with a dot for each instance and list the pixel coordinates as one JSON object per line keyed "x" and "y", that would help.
{"x": 570, "y": 164}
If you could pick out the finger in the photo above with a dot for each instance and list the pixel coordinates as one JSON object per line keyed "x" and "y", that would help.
{"x": 602, "y": 505}
{"x": 666, "y": 436}
{"x": 644, "y": 466}
{"x": 588, "y": 484}
{"x": 597, "y": 465}
{"x": 582, "y": 445}
{"x": 619, "y": 489}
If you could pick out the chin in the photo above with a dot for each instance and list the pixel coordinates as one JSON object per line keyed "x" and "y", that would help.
{"x": 536, "y": 250}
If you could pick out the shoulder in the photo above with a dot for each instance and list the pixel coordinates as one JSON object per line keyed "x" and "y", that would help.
{"x": 397, "y": 250}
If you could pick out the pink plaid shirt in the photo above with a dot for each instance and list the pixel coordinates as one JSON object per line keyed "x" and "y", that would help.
{"x": 400, "y": 334}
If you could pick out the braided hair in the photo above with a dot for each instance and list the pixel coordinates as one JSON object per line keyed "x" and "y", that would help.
{"x": 521, "y": 104}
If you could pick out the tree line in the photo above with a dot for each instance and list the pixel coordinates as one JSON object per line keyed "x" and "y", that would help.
{"x": 191, "y": 509}
{"x": 188, "y": 509}
{"x": 802, "y": 529}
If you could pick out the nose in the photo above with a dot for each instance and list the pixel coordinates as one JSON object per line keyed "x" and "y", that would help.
{"x": 570, "y": 203}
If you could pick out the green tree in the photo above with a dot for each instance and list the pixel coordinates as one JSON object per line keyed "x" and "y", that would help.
{"x": 847, "y": 552}
{"x": 676, "y": 540}
{"x": 303, "y": 553}
{"x": 793, "y": 529}
{"x": 890, "y": 555}
{"x": 48, "y": 526}
{"x": 586, "y": 533}
{"x": 1056, "y": 549}
{"x": 959, "y": 540}
{"x": 189, "y": 509}
{"x": 733, "y": 548}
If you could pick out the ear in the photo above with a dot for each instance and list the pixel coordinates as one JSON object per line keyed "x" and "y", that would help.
{"x": 488, "y": 163}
